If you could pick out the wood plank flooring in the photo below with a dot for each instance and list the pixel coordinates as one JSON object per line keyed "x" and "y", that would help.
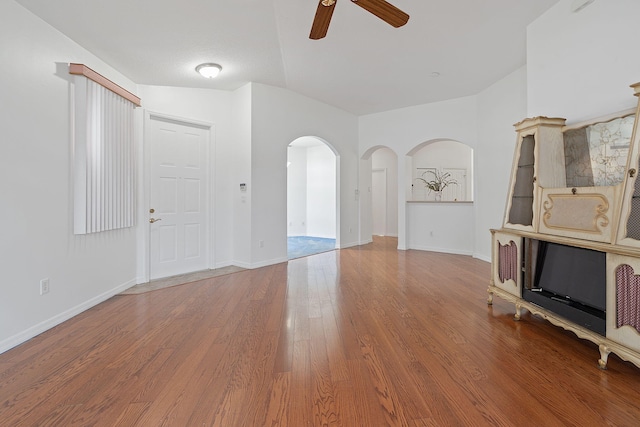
{"x": 365, "y": 336}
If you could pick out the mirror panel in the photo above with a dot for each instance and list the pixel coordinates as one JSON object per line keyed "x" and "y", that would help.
{"x": 596, "y": 155}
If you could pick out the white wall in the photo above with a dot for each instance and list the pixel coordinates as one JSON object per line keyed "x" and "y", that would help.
{"x": 404, "y": 129}
{"x": 580, "y": 65}
{"x": 321, "y": 192}
{"x": 241, "y": 159}
{"x": 385, "y": 158}
{"x": 35, "y": 183}
{"x": 279, "y": 117}
{"x": 441, "y": 227}
{"x": 297, "y": 191}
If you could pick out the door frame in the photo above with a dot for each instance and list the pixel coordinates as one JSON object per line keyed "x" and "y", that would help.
{"x": 144, "y": 190}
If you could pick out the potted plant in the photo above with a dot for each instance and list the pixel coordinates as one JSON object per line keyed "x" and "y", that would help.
{"x": 439, "y": 182}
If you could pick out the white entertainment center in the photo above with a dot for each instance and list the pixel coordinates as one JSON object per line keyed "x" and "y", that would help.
{"x": 569, "y": 247}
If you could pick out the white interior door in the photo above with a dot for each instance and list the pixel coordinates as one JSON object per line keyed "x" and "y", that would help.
{"x": 178, "y": 213}
{"x": 379, "y": 201}
{"x": 459, "y": 191}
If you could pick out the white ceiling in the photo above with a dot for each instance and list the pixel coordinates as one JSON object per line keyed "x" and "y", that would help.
{"x": 363, "y": 65}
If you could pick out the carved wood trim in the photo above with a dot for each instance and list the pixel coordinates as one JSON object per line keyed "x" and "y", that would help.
{"x": 599, "y": 209}
{"x": 605, "y": 345}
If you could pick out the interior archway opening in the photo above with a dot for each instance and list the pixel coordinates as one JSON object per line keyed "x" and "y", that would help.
{"x": 384, "y": 192}
{"x": 312, "y": 210}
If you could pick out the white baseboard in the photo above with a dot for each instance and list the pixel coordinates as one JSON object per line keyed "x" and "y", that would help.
{"x": 269, "y": 262}
{"x": 442, "y": 250}
{"x": 350, "y": 245}
{"x": 41, "y": 327}
{"x": 265, "y": 263}
{"x": 224, "y": 264}
{"x": 482, "y": 257}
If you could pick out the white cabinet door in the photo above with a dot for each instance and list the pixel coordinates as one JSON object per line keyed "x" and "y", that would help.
{"x": 581, "y": 212}
{"x": 506, "y": 262}
{"x": 623, "y": 300}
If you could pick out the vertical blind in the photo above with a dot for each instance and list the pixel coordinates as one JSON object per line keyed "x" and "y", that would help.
{"x": 104, "y": 159}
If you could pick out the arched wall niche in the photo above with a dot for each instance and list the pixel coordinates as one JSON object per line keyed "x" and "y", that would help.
{"x": 440, "y": 157}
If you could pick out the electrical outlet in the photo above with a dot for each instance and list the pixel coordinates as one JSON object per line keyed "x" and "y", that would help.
{"x": 261, "y": 243}
{"x": 44, "y": 286}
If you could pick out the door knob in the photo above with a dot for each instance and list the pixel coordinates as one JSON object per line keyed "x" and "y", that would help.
{"x": 152, "y": 220}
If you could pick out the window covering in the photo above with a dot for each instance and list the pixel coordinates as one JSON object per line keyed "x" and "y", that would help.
{"x": 104, "y": 158}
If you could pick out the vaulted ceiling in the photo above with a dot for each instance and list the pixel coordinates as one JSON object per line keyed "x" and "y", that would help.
{"x": 448, "y": 49}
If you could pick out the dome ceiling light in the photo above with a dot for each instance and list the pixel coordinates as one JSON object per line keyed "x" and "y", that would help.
{"x": 209, "y": 70}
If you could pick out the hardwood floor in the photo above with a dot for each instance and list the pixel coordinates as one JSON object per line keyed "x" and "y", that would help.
{"x": 366, "y": 336}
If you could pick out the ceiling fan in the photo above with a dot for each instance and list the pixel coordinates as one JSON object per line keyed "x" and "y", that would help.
{"x": 383, "y": 10}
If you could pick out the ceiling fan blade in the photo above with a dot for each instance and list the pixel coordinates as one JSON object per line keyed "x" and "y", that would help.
{"x": 385, "y": 11}
{"x": 322, "y": 19}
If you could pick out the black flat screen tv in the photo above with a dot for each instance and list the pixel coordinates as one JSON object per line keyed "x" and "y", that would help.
{"x": 572, "y": 274}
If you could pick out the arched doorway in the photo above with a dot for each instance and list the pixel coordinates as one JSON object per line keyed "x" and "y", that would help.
{"x": 379, "y": 197}
{"x": 384, "y": 192}
{"x": 312, "y": 211}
